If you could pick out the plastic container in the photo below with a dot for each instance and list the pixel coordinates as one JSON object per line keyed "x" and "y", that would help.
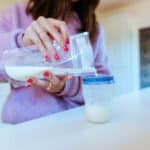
{"x": 28, "y": 61}
{"x": 98, "y": 93}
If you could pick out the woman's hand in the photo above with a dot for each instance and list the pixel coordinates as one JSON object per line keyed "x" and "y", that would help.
{"x": 42, "y": 32}
{"x": 51, "y": 83}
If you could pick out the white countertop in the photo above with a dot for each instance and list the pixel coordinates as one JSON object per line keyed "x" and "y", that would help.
{"x": 129, "y": 129}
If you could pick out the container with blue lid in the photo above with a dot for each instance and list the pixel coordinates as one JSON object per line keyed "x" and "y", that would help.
{"x": 98, "y": 92}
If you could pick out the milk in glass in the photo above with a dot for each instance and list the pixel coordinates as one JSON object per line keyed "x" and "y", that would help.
{"x": 98, "y": 93}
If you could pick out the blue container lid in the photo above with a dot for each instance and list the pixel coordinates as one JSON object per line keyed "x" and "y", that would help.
{"x": 98, "y": 80}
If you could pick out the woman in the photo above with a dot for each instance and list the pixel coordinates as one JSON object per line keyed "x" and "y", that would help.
{"x": 38, "y": 23}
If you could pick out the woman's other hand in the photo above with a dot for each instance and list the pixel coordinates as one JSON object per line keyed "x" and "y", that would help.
{"x": 42, "y": 32}
{"x": 51, "y": 83}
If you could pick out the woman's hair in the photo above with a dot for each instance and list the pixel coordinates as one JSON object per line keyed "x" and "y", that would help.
{"x": 61, "y": 9}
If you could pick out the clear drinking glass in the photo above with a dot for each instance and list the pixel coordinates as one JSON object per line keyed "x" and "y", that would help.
{"x": 98, "y": 93}
{"x": 77, "y": 61}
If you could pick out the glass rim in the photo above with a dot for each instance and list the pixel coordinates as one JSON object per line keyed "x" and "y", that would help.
{"x": 98, "y": 80}
{"x": 79, "y": 35}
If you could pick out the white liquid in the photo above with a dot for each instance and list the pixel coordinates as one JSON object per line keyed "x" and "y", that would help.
{"x": 23, "y": 72}
{"x": 98, "y": 114}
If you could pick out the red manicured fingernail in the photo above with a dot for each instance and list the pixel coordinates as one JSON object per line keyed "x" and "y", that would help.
{"x": 46, "y": 74}
{"x": 67, "y": 41}
{"x": 66, "y": 49}
{"x": 47, "y": 58}
{"x": 30, "y": 80}
{"x": 56, "y": 57}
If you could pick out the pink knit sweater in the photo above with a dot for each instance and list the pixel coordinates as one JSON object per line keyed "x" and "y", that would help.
{"x": 29, "y": 103}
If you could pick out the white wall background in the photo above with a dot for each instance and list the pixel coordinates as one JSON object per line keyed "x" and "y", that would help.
{"x": 121, "y": 29}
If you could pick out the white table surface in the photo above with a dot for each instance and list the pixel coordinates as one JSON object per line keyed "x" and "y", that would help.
{"x": 129, "y": 129}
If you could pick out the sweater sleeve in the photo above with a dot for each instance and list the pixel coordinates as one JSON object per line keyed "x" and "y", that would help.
{"x": 73, "y": 88}
{"x": 10, "y": 36}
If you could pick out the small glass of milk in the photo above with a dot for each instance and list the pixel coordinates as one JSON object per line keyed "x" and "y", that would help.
{"x": 98, "y": 92}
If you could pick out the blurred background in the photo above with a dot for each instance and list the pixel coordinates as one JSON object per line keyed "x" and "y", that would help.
{"x": 127, "y": 32}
